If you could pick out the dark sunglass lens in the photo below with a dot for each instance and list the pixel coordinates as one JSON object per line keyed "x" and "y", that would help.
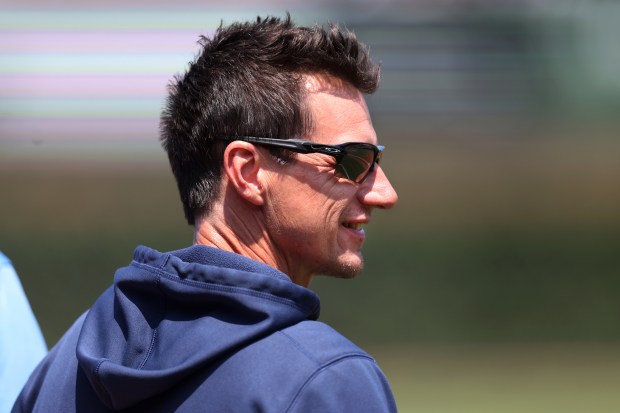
{"x": 356, "y": 163}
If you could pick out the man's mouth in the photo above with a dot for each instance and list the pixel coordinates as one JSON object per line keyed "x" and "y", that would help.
{"x": 353, "y": 225}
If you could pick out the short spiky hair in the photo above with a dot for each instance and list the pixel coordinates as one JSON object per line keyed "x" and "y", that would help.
{"x": 246, "y": 81}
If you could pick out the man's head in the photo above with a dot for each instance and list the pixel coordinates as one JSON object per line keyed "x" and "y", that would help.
{"x": 248, "y": 81}
{"x": 301, "y": 212}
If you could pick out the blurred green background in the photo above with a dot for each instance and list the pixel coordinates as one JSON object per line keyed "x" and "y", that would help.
{"x": 493, "y": 286}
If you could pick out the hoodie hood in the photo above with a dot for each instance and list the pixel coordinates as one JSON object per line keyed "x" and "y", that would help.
{"x": 171, "y": 314}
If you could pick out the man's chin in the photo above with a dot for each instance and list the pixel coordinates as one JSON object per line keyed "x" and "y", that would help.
{"x": 346, "y": 268}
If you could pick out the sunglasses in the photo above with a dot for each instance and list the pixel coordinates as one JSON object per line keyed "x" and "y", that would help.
{"x": 354, "y": 160}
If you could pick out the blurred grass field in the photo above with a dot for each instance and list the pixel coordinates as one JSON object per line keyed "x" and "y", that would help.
{"x": 507, "y": 378}
{"x": 492, "y": 287}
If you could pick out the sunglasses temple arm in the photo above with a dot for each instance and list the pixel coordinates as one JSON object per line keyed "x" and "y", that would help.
{"x": 290, "y": 144}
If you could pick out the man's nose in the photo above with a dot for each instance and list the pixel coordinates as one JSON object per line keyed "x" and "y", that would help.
{"x": 377, "y": 191}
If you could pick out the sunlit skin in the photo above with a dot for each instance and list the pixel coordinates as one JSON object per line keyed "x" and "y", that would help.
{"x": 299, "y": 217}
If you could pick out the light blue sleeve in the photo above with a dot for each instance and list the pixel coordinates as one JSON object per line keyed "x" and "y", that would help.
{"x": 21, "y": 343}
{"x": 349, "y": 385}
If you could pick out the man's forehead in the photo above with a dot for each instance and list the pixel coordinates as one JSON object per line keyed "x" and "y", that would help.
{"x": 338, "y": 111}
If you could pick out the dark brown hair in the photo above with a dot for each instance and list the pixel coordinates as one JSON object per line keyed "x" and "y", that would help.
{"x": 246, "y": 81}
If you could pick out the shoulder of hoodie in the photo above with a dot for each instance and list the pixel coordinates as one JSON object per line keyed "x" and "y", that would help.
{"x": 306, "y": 348}
{"x": 320, "y": 343}
{"x": 330, "y": 370}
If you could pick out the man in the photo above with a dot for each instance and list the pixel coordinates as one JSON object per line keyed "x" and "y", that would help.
{"x": 274, "y": 154}
{"x": 21, "y": 343}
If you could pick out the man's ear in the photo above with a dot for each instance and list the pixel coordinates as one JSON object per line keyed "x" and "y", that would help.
{"x": 242, "y": 165}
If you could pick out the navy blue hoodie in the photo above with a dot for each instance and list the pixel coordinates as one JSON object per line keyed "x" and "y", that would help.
{"x": 202, "y": 329}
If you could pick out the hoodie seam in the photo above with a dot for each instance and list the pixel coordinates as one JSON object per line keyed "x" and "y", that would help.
{"x": 154, "y": 333}
{"x": 299, "y": 347}
{"x": 100, "y": 386}
{"x": 267, "y": 270}
{"x": 272, "y": 273}
{"x": 150, "y": 350}
{"x": 218, "y": 287}
{"x": 99, "y": 366}
{"x": 322, "y": 369}
{"x": 163, "y": 264}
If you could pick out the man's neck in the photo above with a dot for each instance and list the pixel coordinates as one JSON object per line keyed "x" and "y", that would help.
{"x": 230, "y": 229}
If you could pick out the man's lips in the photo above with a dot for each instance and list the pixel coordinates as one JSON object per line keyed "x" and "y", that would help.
{"x": 353, "y": 225}
{"x": 356, "y": 225}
